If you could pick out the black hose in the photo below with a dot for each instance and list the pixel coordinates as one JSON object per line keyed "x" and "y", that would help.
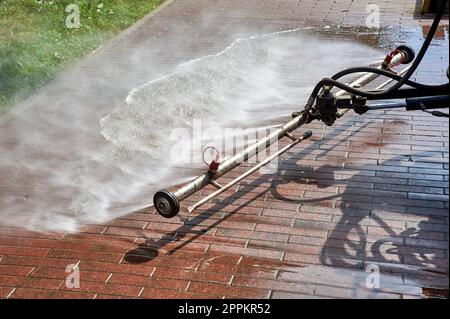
{"x": 404, "y": 80}
{"x": 410, "y": 93}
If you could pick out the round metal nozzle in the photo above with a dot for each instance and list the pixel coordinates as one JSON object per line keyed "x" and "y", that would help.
{"x": 408, "y": 53}
{"x": 167, "y": 204}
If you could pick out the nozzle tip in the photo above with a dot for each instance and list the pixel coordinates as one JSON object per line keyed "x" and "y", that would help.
{"x": 167, "y": 204}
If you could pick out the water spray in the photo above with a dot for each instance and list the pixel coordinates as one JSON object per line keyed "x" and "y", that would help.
{"x": 326, "y": 105}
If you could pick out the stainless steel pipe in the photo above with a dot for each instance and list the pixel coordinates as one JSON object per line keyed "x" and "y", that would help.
{"x": 168, "y": 203}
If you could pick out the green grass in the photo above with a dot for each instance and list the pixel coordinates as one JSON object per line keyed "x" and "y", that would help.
{"x": 35, "y": 44}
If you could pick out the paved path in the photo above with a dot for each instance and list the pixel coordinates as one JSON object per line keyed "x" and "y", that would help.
{"x": 364, "y": 193}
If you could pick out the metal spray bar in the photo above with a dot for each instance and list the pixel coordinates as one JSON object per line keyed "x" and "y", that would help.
{"x": 222, "y": 189}
{"x": 168, "y": 203}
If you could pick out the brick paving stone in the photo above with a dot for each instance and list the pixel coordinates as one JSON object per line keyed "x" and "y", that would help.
{"x": 371, "y": 190}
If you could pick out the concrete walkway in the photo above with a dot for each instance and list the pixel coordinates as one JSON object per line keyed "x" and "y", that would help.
{"x": 365, "y": 194}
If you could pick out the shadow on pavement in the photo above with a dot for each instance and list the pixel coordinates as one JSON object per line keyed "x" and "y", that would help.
{"x": 346, "y": 243}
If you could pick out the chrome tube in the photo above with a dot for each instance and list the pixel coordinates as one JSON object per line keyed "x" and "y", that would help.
{"x": 168, "y": 203}
{"x": 341, "y": 113}
{"x": 222, "y": 189}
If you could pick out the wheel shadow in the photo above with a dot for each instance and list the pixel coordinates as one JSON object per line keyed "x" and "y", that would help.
{"x": 347, "y": 244}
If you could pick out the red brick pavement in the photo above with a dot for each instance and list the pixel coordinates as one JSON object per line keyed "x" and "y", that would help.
{"x": 370, "y": 190}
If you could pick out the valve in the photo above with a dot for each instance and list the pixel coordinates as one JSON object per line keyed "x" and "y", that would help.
{"x": 215, "y": 162}
{"x": 326, "y": 106}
